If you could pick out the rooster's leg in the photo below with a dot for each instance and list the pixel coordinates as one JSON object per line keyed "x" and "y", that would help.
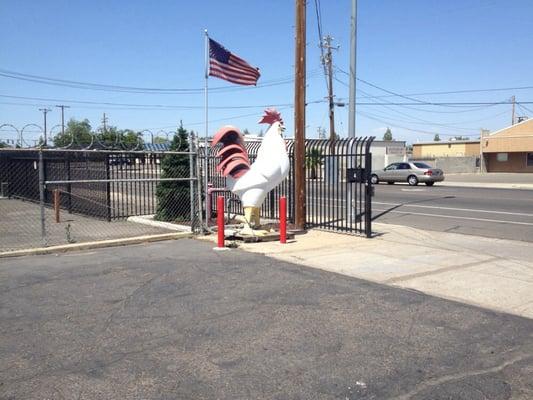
{"x": 251, "y": 215}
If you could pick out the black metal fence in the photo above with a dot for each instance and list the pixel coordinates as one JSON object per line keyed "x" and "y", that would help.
{"x": 339, "y": 192}
{"x": 19, "y": 176}
{"x": 270, "y": 207}
{"x": 102, "y": 184}
{"x": 112, "y": 186}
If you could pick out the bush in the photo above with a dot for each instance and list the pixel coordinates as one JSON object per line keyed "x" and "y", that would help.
{"x": 173, "y": 198}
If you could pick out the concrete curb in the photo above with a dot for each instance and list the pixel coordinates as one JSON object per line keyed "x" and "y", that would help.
{"x": 148, "y": 220}
{"x": 96, "y": 245}
{"x": 518, "y": 186}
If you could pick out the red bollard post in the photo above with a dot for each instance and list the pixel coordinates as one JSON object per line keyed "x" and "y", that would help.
{"x": 220, "y": 220}
{"x": 283, "y": 219}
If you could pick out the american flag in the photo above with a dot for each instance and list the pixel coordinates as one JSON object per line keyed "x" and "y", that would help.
{"x": 225, "y": 65}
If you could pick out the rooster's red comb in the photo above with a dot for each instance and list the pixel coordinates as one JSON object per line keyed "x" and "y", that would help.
{"x": 271, "y": 116}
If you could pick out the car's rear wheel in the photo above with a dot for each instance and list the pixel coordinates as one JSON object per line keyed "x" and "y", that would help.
{"x": 412, "y": 180}
{"x": 374, "y": 180}
{"x": 430, "y": 183}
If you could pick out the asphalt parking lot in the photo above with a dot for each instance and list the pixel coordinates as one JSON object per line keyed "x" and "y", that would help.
{"x": 176, "y": 320}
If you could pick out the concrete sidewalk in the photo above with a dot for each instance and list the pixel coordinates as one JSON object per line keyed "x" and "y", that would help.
{"x": 492, "y": 273}
{"x": 493, "y": 180}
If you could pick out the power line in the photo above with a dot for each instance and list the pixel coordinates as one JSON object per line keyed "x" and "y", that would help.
{"x": 433, "y": 124}
{"x": 320, "y": 39}
{"x": 152, "y": 106}
{"x": 524, "y": 107}
{"x": 419, "y": 120}
{"x": 369, "y": 116}
{"x": 417, "y": 101}
{"x": 132, "y": 106}
{"x": 424, "y": 121}
{"x": 476, "y": 108}
{"x": 452, "y": 91}
{"x": 443, "y": 103}
{"x": 144, "y": 90}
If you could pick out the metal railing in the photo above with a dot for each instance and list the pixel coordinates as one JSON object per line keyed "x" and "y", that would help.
{"x": 339, "y": 192}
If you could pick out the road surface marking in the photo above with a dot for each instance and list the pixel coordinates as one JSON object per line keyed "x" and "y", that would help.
{"x": 454, "y": 209}
{"x": 455, "y": 217}
{"x": 342, "y": 201}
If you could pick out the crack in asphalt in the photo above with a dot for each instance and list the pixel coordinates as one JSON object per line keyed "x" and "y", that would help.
{"x": 454, "y": 377}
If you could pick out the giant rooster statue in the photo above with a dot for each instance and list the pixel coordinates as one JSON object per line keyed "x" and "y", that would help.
{"x": 253, "y": 182}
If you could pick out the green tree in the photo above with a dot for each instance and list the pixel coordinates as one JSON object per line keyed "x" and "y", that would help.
{"x": 2, "y": 145}
{"x": 78, "y": 132}
{"x": 387, "y": 135}
{"x": 173, "y": 197}
{"x": 131, "y": 139}
{"x": 436, "y": 138}
{"x": 109, "y": 137}
{"x": 461, "y": 138}
{"x": 114, "y": 137}
{"x": 313, "y": 160}
{"x": 246, "y": 132}
{"x": 160, "y": 140}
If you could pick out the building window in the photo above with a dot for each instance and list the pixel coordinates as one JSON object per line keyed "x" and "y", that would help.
{"x": 529, "y": 161}
{"x": 502, "y": 157}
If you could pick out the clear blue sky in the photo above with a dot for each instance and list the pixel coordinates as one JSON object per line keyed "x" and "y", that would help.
{"x": 410, "y": 46}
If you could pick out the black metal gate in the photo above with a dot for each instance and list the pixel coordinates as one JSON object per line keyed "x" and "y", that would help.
{"x": 339, "y": 192}
{"x": 337, "y": 185}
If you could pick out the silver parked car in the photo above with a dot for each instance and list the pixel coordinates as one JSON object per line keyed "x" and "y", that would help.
{"x": 410, "y": 172}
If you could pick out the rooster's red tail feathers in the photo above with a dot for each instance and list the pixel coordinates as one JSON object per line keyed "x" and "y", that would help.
{"x": 234, "y": 159}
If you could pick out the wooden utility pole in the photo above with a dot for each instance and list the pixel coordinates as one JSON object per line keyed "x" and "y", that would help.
{"x": 299, "y": 118}
{"x": 353, "y": 53}
{"x": 104, "y": 121}
{"x": 329, "y": 64}
{"x": 513, "y": 100}
{"x": 63, "y": 118}
{"x": 44, "y": 111}
{"x": 481, "y": 160}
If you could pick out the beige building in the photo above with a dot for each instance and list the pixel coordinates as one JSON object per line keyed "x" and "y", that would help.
{"x": 453, "y": 148}
{"x": 510, "y": 149}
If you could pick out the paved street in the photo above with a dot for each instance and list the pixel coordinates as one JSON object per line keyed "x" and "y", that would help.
{"x": 497, "y": 213}
{"x": 178, "y": 320}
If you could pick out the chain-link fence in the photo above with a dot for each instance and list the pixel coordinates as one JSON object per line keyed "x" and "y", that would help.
{"x": 52, "y": 197}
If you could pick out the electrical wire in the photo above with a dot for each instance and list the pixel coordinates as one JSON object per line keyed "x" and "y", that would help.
{"x": 421, "y": 121}
{"x": 320, "y": 38}
{"x": 215, "y": 120}
{"x": 374, "y": 118}
{"x": 150, "y": 106}
{"x": 528, "y": 110}
{"x": 451, "y": 91}
{"x": 475, "y": 108}
{"x": 143, "y": 90}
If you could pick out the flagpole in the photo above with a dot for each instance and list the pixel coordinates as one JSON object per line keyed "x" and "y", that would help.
{"x": 206, "y": 145}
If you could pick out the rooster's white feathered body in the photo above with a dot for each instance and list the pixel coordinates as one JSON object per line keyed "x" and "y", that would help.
{"x": 253, "y": 182}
